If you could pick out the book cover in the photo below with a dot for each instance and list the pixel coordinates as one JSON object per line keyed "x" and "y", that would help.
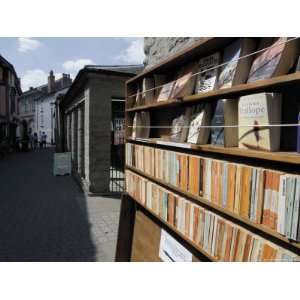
{"x": 165, "y": 92}
{"x": 281, "y": 204}
{"x": 217, "y": 132}
{"x": 255, "y": 111}
{"x": 208, "y": 73}
{"x": 236, "y": 71}
{"x": 185, "y": 83}
{"x": 277, "y": 60}
{"x": 198, "y": 133}
{"x": 179, "y": 130}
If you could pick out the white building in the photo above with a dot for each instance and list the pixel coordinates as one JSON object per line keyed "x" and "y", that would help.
{"x": 37, "y": 106}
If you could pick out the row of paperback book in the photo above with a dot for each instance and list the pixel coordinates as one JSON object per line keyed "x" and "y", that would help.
{"x": 233, "y": 65}
{"x": 220, "y": 238}
{"x": 260, "y": 195}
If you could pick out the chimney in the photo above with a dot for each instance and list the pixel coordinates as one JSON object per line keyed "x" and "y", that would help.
{"x": 66, "y": 80}
{"x": 51, "y": 82}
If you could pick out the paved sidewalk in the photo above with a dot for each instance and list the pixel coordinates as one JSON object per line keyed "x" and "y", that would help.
{"x": 47, "y": 218}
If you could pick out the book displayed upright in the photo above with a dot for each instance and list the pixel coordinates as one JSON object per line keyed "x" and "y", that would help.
{"x": 236, "y": 67}
{"x": 259, "y": 117}
{"x": 199, "y": 129}
{"x": 278, "y": 57}
{"x": 208, "y": 71}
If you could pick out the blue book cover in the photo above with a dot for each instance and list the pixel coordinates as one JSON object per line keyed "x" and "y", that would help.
{"x": 217, "y": 133}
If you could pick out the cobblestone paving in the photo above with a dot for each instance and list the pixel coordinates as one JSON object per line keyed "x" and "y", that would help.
{"x": 47, "y": 218}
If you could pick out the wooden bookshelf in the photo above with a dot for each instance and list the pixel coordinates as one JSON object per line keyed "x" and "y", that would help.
{"x": 273, "y": 84}
{"x": 223, "y": 211}
{"x": 285, "y": 160}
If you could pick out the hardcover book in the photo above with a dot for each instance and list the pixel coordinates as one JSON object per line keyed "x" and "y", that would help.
{"x": 236, "y": 70}
{"x": 208, "y": 73}
{"x": 256, "y": 113}
{"x": 198, "y": 133}
{"x": 277, "y": 59}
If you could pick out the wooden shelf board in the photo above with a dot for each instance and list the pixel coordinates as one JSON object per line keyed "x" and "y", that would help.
{"x": 174, "y": 229}
{"x": 238, "y": 90}
{"x": 285, "y": 157}
{"x": 219, "y": 209}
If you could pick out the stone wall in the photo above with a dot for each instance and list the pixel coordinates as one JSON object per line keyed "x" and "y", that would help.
{"x": 159, "y": 48}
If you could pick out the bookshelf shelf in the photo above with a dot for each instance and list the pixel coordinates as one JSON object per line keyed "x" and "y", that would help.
{"x": 228, "y": 214}
{"x": 272, "y": 84}
{"x": 284, "y": 157}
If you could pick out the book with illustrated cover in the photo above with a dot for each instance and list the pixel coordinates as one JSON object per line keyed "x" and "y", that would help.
{"x": 279, "y": 57}
{"x": 200, "y": 117}
{"x": 207, "y": 79}
{"x": 225, "y": 114}
{"x": 256, "y": 110}
{"x": 179, "y": 130}
{"x": 166, "y": 91}
{"x": 236, "y": 70}
{"x": 185, "y": 82}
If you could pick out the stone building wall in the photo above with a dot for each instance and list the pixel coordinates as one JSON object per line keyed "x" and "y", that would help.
{"x": 159, "y": 48}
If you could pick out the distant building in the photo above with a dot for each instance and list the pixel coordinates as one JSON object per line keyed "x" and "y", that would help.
{"x": 37, "y": 106}
{"x": 87, "y": 116}
{"x": 10, "y": 91}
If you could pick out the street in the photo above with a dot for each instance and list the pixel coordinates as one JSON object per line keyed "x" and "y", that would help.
{"x": 48, "y": 218}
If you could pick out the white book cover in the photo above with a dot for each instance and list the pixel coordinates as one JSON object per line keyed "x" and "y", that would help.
{"x": 191, "y": 231}
{"x": 207, "y": 79}
{"x": 206, "y": 231}
{"x": 198, "y": 133}
{"x": 257, "y": 110}
{"x": 281, "y": 204}
{"x": 208, "y": 180}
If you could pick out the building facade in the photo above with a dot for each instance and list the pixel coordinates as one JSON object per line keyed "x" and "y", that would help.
{"x": 85, "y": 121}
{"x": 37, "y": 106}
{"x": 10, "y": 91}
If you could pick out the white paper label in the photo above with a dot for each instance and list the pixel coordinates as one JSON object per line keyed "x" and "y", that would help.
{"x": 172, "y": 251}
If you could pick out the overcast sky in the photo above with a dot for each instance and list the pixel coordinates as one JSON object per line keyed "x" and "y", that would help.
{"x": 33, "y": 58}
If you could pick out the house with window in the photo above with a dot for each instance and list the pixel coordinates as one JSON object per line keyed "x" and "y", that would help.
{"x": 10, "y": 91}
{"x": 37, "y": 109}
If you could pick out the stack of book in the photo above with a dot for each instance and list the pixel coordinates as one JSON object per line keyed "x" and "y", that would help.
{"x": 260, "y": 195}
{"x": 220, "y": 238}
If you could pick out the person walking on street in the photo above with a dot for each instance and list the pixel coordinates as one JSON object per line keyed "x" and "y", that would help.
{"x": 35, "y": 141}
{"x": 44, "y": 139}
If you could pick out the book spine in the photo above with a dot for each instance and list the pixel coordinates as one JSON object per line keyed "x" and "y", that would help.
{"x": 296, "y": 209}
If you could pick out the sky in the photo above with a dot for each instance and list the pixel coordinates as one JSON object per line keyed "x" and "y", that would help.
{"x": 33, "y": 58}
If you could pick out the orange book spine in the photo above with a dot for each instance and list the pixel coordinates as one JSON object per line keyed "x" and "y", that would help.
{"x": 231, "y": 186}
{"x": 247, "y": 248}
{"x": 245, "y": 195}
{"x": 228, "y": 242}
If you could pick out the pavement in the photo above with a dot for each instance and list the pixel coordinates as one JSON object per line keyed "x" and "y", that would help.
{"x": 48, "y": 218}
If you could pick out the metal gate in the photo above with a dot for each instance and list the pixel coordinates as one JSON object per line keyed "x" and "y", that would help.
{"x": 117, "y": 159}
